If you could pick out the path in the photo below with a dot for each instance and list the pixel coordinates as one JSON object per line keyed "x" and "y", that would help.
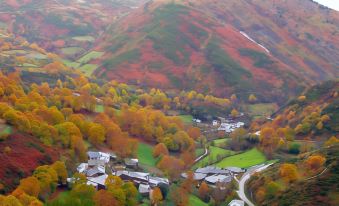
{"x": 201, "y": 156}
{"x": 245, "y": 178}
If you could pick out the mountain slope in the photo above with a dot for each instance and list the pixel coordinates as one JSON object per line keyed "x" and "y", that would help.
{"x": 197, "y": 45}
{"x": 177, "y": 46}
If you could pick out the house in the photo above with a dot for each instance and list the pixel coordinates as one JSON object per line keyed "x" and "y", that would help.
{"x": 93, "y": 155}
{"x": 196, "y": 176}
{"x": 196, "y": 120}
{"x": 156, "y": 181}
{"x": 215, "y": 123}
{"x": 95, "y": 171}
{"x": 95, "y": 162}
{"x": 236, "y": 203}
{"x": 144, "y": 189}
{"x": 212, "y": 170}
{"x": 235, "y": 169}
{"x": 99, "y": 181}
{"x": 131, "y": 163}
{"x": 136, "y": 177}
{"x": 214, "y": 179}
{"x": 82, "y": 167}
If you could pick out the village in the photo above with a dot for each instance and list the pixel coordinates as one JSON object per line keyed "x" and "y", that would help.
{"x": 101, "y": 164}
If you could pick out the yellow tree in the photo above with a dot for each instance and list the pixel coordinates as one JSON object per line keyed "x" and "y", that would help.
{"x": 314, "y": 162}
{"x": 156, "y": 196}
{"x": 61, "y": 171}
{"x": 96, "y": 133}
{"x": 30, "y": 185}
{"x": 288, "y": 172}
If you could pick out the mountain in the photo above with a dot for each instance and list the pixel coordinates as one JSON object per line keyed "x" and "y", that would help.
{"x": 67, "y": 28}
{"x": 189, "y": 45}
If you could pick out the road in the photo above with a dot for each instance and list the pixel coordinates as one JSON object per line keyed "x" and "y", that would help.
{"x": 245, "y": 178}
{"x": 201, "y": 156}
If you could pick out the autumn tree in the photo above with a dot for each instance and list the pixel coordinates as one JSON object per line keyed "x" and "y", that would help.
{"x": 96, "y": 134}
{"x": 331, "y": 141}
{"x": 194, "y": 132}
{"x": 105, "y": 198}
{"x": 61, "y": 171}
{"x": 171, "y": 166}
{"x": 30, "y": 185}
{"x": 179, "y": 196}
{"x": 156, "y": 196}
{"x": 252, "y": 98}
{"x": 160, "y": 150}
{"x": 288, "y": 172}
{"x": 315, "y": 162}
{"x": 204, "y": 191}
{"x": 234, "y": 113}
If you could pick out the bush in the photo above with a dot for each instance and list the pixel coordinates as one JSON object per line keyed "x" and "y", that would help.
{"x": 294, "y": 148}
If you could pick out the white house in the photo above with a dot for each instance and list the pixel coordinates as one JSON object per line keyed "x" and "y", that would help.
{"x": 215, "y": 123}
{"x": 236, "y": 203}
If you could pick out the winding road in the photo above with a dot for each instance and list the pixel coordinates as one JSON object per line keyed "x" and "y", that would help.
{"x": 245, "y": 178}
{"x": 201, "y": 156}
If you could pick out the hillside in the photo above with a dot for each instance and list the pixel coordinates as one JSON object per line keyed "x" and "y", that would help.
{"x": 188, "y": 46}
{"x": 312, "y": 186}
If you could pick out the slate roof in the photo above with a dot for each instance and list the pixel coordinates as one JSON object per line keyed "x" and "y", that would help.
{"x": 235, "y": 169}
{"x": 93, "y": 155}
{"x": 100, "y": 180}
{"x": 218, "y": 178}
{"x": 211, "y": 170}
{"x": 196, "y": 176}
{"x": 95, "y": 170}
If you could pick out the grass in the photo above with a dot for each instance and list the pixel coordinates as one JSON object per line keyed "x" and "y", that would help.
{"x": 99, "y": 108}
{"x": 186, "y": 118}
{"x": 243, "y": 160}
{"x": 220, "y": 142}
{"x": 88, "y": 69}
{"x": 29, "y": 65}
{"x": 261, "y": 110}
{"x": 5, "y": 129}
{"x": 145, "y": 154}
{"x": 129, "y": 56}
{"x": 195, "y": 201}
{"x": 36, "y": 56}
{"x": 260, "y": 59}
{"x": 71, "y": 64}
{"x": 212, "y": 156}
{"x": 71, "y": 50}
{"x": 89, "y": 56}
{"x": 84, "y": 38}
{"x": 199, "y": 152}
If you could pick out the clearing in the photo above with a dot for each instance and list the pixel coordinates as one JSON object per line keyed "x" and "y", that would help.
{"x": 145, "y": 154}
{"x": 195, "y": 201}
{"x": 88, "y": 69}
{"x": 89, "y": 56}
{"x": 243, "y": 160}
{"x": 261, "y": 110}
{"x": 187, "y": 119}
{"x": 213, "y": 156}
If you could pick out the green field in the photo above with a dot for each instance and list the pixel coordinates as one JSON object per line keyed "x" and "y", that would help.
{"x": 5, "y": 129}
{"x": 29, "y": 65}
{"x": 220, "y": 142}
{"x": 145, "y": 154}
{"x": 99, "y": 108}
{"x": 186, "y": 118}
{"x": 212, "y": 156}
{"x": 36, "y": 56}
{"x": 199, "y": 152}
{"x": 261, "y": 110}
{"x": 89, "y": 56}
{"x": 84, "y": 38}
{"x": 243, "y": 160}
{"x": 15, "y": 51}
{"x": 71, "y": 50}
{"x": 195, "y": 201}
{"x": 68, "y": 63}
{"x": 88, "y": 69}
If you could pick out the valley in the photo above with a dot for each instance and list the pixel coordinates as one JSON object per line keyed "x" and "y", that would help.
{"x": 161, "y": 102}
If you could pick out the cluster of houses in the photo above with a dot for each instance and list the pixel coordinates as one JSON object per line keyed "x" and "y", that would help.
{"x": 229, "y": 127}
{"x": 213, "y": 175}
{"x": 100, "y": 164}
